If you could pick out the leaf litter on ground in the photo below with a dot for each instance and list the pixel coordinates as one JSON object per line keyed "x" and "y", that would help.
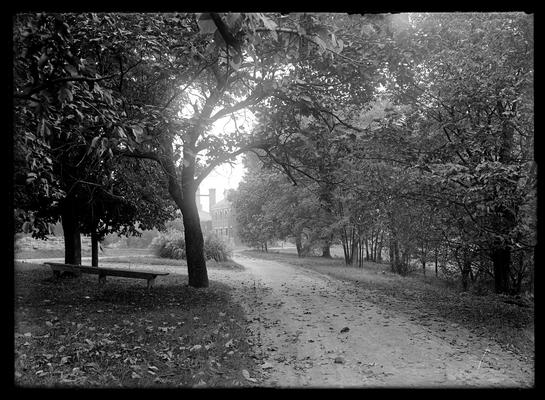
{"x": 141, "y": 339}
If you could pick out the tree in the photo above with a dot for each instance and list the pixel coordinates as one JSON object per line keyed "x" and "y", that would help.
{"x": 60, "y": 109}
{"x": 232, "y": 70}
{"x": 483, "y": 109}
{"x": 268, "y": 206}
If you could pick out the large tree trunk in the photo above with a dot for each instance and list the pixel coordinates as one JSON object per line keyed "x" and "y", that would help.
{"x": 501, "y": 259}
{"x": 184, "y": 197}
{"x": 194, "y": 241}
{"x": 72, "y": 237}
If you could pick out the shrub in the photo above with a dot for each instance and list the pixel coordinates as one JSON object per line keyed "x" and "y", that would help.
{"x": 171, "y": 244}
{"x": 215, "y": 248}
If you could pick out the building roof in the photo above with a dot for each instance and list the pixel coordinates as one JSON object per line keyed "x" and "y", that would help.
{"x": 221, "y": 204}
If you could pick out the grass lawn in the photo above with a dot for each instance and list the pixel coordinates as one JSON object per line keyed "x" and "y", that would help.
{"x": 77, "y": 333}
{"x": 425, "y": 298}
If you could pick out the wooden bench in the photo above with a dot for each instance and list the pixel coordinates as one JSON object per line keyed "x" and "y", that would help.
{"x": 103, "y": 272}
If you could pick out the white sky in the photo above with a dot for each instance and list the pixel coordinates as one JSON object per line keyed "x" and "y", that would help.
{"x": 224, "y": 176}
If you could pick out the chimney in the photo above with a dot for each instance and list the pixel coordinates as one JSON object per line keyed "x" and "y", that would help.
{"x": 212, "y": 197}
{"x": 198, "y": 199}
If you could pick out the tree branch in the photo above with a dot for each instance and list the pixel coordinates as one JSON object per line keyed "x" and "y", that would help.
{"x": 220, "y": 160}
{"x": 252, "y": 99}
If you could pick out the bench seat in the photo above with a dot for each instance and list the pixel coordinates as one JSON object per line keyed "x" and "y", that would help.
{"x": 103, "y": 272}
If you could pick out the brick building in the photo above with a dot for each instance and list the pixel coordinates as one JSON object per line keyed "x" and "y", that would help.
{"x": 223, "y": 220}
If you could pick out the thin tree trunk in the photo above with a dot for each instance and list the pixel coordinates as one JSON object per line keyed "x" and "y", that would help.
{"x": 353, "y": 246}
{"x": 326, "y": 250}
{"x": 424, "y": 258}
{"x": 361, "y": 251}
{"x": 298, "y": 246}
{"x": 344, "y": 240}
{"x": 379, "y": 250}
{"x": 436, "y": 255}
{"x": 94, "y": 250}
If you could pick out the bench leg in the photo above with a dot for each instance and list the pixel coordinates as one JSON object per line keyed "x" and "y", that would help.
{"x": 151, "y": 281}
{"x": 102, "y": 278}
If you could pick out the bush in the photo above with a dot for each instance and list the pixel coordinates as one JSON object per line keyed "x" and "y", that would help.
{"x": 171, "y": 244}
{"x": 215, "y": 248}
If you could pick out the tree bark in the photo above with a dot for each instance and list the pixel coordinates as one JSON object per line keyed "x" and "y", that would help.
{"x": 326, "y": 250}
{"x": 299, "y": 246}
{"x": 395, "y": 262}
{"x": 194, "y": 241}
{"x": 71, "y": 231}
{"x": 436, "y": 256}
{"x": 501, "y": 259}
{"x": 184, "y": 197}
{"x": 94, "y": 250}
{"x": 379, "y": 250}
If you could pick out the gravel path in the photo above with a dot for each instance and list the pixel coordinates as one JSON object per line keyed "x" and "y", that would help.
{"x": 299, "y": 319}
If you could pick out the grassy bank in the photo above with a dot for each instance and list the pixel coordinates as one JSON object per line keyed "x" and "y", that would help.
{"x": 74, "y": 332}
{"x": 427, "y": 299}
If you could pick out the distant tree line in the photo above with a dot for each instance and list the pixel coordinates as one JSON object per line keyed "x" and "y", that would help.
{"x": 429, "y": 162}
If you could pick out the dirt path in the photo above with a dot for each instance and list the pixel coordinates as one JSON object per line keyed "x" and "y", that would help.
{"x": 297, "y": 317}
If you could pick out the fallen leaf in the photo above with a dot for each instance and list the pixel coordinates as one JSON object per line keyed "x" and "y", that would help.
{"x": 134, "y": 375}
{"x": 345, "y": 329}
{"x": 195, "y": 348}
{"x": 246, "y": 376}
{"x": 266, "y": 365}
{"x": 339, "y": 360}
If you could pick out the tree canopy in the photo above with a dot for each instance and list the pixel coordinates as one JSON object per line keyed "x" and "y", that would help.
{"x": 410, "y": 131}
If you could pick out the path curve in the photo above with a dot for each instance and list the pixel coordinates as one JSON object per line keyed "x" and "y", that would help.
{"x": 297, "y": 318}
